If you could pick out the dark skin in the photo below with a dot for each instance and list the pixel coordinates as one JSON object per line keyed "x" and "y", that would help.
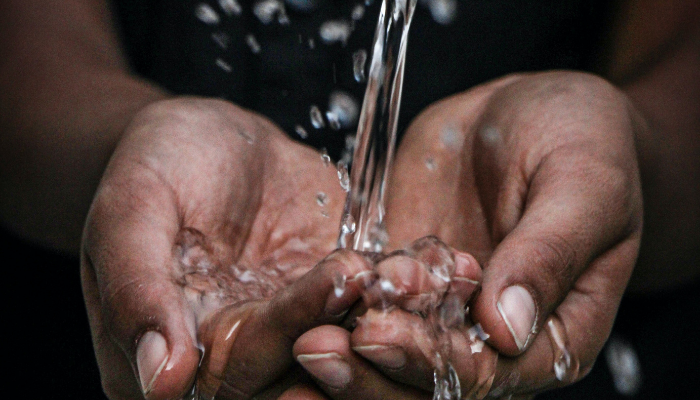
{"x": 150, "y": 194}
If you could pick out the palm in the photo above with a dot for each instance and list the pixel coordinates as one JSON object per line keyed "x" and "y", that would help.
{"x": 217, "y": 205}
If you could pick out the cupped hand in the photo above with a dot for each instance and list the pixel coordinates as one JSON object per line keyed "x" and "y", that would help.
{"x": 536, "y": 176}
{"x": 200, "y": 247}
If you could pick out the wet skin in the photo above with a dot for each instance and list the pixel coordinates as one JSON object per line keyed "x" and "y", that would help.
{"x": 202, "y": 201}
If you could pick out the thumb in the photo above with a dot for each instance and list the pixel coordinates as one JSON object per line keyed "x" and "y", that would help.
{"x": 574, "y": 211}
{"x": 142, "y": 327}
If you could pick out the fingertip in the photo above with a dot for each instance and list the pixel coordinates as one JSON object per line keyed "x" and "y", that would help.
{"x": 165, "y": 371}
{"x": 509, "y": 317}
{"x": 466, "y": 266}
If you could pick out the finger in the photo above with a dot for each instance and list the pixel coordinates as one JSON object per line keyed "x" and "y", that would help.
{"x": 425, "y": 274}
{"x": 134, "y": 298}
{"x": 302, "y": 392}
{"x": 325, "y": 353}
{"x": 115, "y": 367}
{"x": 250, "y": 346}
{"x": 566, "y": 348}
{"x": 576, "y": 208}
{"x": 402, "y": 346}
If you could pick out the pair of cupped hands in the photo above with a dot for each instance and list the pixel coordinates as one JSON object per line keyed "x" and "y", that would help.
{"x": 208, "y": 253}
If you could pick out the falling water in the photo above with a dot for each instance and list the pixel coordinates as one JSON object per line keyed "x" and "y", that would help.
{"x": 376, "y": 132}
{"x": 362, "y": 226}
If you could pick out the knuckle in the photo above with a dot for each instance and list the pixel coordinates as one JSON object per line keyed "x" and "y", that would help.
{"x": 557, "y": 258}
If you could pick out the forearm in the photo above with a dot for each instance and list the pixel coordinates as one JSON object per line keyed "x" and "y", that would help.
{"x": 663, "y": 82}
{"x": 65, "y": 98}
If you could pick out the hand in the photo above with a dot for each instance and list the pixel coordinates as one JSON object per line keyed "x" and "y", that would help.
{"x": 536, "y": 176}
{"x": 205, "y": 220}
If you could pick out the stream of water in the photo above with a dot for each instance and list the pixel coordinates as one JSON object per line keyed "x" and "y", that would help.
{"x": 362, "y": 226}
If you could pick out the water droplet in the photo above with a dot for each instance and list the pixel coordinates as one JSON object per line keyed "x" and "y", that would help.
{"x": 387, "y": 286}
{"x": 221, "y": 38}
{"x": 348, "y": 226}
{"x": 350, "y": 140}
{"x": 302, "y": 5}
{"x": 206, "y": 14}
{"x": 301, "y": 131}
{"x": 377, "y": 238}
{"x": 358, "y": 12}
{"x": 333, "y": 120}
{"x": 359, "y": 59}
{"x": 230, "y": 7}
{"x": 430, "y": 164}
{"x": 344, "y": 109}
{"x": 316, "y": 117}
{"x": 565, "y": 365}
{"x": 321, "y": 199}
{"x": 624, "y": 366}
{"x": 245, "y": 135}
{"x": 339, "y": 284}
{"x": 267, "y": 10}
{"x": 223, "y": 65}
{"x": 343, "y": 176}
{"x": 325, "y": 157}
{"x": 490, "y": 135}
{"x": 252, "y": 42}
{"x": 335, "y": 31}
{"x": 477, "y": 331}
{"x": 450, "y": 138}
{"x": 447, "y": 385}
{"x": 442, "y": 11}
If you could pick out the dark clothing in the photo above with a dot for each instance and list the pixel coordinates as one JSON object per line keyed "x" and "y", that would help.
{"x": 168, "y": 44}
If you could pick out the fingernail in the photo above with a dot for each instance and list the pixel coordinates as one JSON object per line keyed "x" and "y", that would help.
{"x": 329, "y": 368}
{"x": 519, "y": 312}
{"x": 151, "y": 357}
{"x": 387, "y": 356}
